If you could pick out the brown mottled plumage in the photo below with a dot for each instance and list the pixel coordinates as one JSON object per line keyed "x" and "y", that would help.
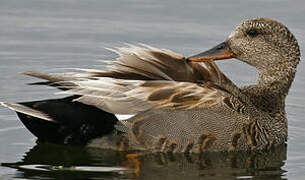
{"x": 181, "y": 106}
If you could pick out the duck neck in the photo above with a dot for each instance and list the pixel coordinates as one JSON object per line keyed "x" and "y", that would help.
{"x": 273, "y": 86}
{"x": 276, "y": 82}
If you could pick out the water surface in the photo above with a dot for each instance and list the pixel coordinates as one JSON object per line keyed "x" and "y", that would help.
{"x": 47, "y": 35}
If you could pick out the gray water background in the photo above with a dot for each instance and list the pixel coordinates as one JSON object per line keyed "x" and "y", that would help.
{"x": 45, "y": 36}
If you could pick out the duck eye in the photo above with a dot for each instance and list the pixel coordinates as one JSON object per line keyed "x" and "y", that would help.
{"x": 252, "y": 32}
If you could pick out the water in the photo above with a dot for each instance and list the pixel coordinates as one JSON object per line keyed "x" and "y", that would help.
{"x": 47, "y": 35}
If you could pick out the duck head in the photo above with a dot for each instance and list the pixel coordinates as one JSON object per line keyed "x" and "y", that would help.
{"x": 263, "y": 43}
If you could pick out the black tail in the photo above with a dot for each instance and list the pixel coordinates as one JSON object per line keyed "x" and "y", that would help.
{"x": 74, "y": 122}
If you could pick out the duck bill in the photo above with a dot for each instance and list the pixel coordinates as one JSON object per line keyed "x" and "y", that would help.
{"x": 219, "y": 52}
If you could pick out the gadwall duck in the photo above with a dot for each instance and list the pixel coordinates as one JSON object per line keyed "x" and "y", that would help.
{"x": 175, "y": 104}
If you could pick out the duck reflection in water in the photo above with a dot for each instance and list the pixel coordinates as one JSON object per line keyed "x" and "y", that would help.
{"x": 70, "y": 162}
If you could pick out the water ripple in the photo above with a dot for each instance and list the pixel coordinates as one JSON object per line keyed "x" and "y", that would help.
{"x": 11, "y": 128}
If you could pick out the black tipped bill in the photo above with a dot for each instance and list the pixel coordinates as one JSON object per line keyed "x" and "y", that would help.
{"x": 221, "y": 51}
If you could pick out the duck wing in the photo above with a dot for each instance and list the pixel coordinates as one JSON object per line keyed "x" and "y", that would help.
{"x": 140, "y": 63}
{"x": 121, "y": 96}
{"x": 135, "y": 65}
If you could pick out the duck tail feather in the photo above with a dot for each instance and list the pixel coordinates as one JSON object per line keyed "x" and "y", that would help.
{"x": 63, "y": 121}
{"x": 19, "y": 108}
